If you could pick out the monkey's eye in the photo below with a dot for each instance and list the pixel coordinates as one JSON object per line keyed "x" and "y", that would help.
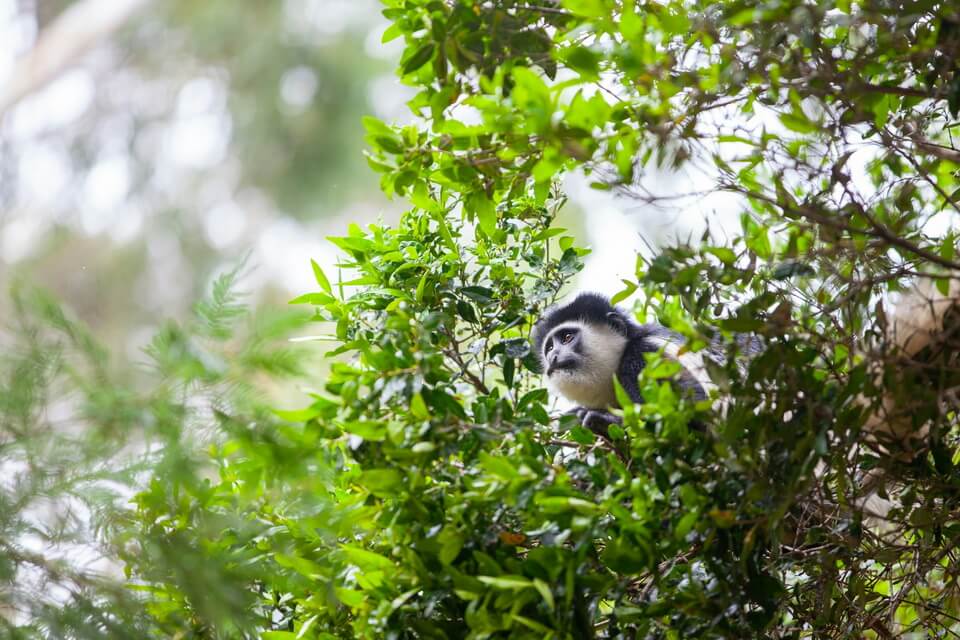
{"x": 566, "y": 337}
{"x": 549, "y": 347}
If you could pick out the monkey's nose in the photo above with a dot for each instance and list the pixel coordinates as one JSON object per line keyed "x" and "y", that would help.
{"x": 552, "y": 364}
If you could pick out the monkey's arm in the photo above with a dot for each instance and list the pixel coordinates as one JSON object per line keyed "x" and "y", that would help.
{"x": 597, "y": 420}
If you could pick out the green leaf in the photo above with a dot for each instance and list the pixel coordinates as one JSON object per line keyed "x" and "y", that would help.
{"x": 741, "y": 324}
{"x": 663, "y": 369}
{"x": 365, "y": 559}
{"x": 374, "y": 431}
{"x": 350, "y": 597}
{"x": 376, "y": 127}
{"x": 631, "y": 287}
{"x": 417, "y": 58}
{"x": 302, "y": 566}
{"x": 317, "y": 298}
{"x": 512, "y": 583}
{"x": 382, "y": 482}
{"x": 582, "y": 435}
{"x": 544, "y": 589}
{"x": 587, "y": 8}
{"x": 583, "y": 60}
{"x": 418, "y": 408}
{"x": 724, "y": 254}
{"x": 307, "y": 626}
{"x": 532, "y": 89}
{"x": 451, "y": 542}
{"x": 321, "y": 278}
{"x": 798, "y": 121}
{"x": 352, "y": 244}
{"x": 943, "y": 286}
{"x": 480, "y": 295}
{"x": 674, "y": 23}
{"x": 626, "y": 556}
{"x": 391, "y": 33}
{"x": 297, "y": 415}
{"x": 485, "y": 211}
{"x": 560, "y": 504}
{"x": 498, "y": 466}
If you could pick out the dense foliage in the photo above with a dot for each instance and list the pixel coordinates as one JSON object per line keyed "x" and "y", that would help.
{"x": 431, "y": 490}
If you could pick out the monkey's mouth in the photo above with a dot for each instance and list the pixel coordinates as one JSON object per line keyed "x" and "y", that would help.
{"x": 567, "y": 364}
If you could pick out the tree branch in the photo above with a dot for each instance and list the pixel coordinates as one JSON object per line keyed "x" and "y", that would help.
{"x": 937, "y": 150}
{"x": 877, "y": 229}
{"x": 894, "y": 90}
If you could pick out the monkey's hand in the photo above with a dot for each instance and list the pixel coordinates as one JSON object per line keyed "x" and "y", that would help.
{"x": 596, "y": 420}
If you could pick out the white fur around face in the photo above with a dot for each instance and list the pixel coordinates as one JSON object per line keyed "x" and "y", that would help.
{"x": 591, "y": 386}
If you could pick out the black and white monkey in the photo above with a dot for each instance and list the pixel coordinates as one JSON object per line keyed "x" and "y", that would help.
{"x": 584, "y": 343}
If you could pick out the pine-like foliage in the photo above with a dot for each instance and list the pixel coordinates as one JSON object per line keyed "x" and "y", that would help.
{"x": 81, "y": 433}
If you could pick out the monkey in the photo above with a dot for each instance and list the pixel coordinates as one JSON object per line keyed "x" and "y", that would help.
{"x": 919, "y": 340}
{"x": 583, "y": 344}
{"x": 915, "y": 357}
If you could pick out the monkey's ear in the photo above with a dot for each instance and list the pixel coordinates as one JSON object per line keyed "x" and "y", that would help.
{"x": 617, "y": 322}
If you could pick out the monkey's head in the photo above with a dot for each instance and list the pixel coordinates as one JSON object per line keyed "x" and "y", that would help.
{"x": 579, "y": 345}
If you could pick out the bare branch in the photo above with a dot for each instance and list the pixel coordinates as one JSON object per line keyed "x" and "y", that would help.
{"x": 936, "y": 150}
{"x": 876, "y": 230}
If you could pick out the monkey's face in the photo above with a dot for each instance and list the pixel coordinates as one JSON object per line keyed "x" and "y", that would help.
{"x": 563, "y": 350}
{"x": 580, "y": 360}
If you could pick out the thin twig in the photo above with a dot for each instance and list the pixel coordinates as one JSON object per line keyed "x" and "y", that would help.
{"x": 877, "y": 230}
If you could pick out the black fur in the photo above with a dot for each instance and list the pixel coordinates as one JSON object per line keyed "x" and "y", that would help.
{"x": 587, "y": 307}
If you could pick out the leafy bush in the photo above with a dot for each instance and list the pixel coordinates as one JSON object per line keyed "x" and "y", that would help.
{"x": 430, "y": 489}
{"x": 428, "y": 492}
